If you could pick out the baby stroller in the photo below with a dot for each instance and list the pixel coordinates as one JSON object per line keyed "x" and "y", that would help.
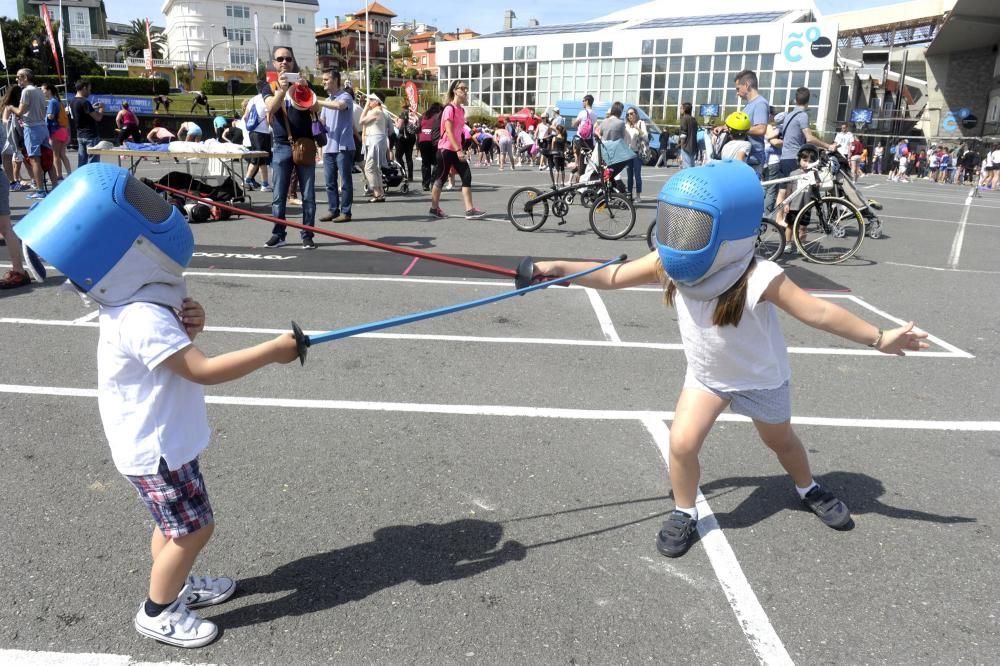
{"x": 394, "y": 175}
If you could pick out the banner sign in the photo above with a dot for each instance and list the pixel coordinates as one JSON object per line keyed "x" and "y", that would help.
{"x": 52, "y": 39}
{"x": 861, "y": 115}
{"x": 807, "y": 46}
{"x": 113, "y": 103}
{"x": 708, "y": 110}
{"x": 411, "y": 94}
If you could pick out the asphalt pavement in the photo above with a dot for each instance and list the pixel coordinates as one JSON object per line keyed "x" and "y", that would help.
{"x": 486, "y": 487}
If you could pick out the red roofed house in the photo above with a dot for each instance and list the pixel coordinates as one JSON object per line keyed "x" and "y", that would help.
{"x": 342, "y": 45}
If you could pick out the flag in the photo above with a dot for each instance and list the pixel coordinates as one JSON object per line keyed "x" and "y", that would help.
{"x": 411, "y": 94}
{"x": 149, "y": 41}
{"x": 3, "y": 52}
{"x": 52, "y": 40}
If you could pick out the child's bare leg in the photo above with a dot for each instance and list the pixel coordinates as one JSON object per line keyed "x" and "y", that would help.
{"x": 694, "y": 416}
{"x": 172, "y": 562}
{"x": 780, "y": 438}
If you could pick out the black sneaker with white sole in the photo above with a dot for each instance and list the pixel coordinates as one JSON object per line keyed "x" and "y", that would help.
{"x": 275, "y": 241}
{"x": 308, "y": 244}
{"x": 677, "y": 534}
{"x": 827, "y": 507}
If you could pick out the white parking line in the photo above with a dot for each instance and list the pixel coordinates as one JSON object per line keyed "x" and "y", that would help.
{"x": 524, "y": 411}
{"x": 603, "y": 318}
{"x": 29, "y": 658}
{"x": 749, "y": 613}
{"x": 952, "y": 351}
{"x": 956, "y": 244}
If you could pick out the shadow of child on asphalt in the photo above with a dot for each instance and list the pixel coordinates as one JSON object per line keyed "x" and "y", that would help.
{"x": 771, "y": 495}
{"x": 427, "y": 554}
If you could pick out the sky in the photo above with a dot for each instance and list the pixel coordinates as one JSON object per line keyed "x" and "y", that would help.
{"x": 451, "y": 15}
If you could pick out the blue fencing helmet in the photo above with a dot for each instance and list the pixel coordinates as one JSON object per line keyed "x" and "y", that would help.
{"x": 98, "y": 216}
{"x": 707, "y": 219}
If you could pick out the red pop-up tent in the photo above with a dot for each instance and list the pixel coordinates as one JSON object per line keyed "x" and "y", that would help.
{"x": 526, "y": 116}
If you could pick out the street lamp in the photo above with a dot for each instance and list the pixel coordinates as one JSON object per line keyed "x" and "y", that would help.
{"x": 225, "y": 41}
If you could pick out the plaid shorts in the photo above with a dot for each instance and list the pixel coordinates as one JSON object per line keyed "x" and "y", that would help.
{"x": 767, "y": 405}
{"x": 177, "y": 500}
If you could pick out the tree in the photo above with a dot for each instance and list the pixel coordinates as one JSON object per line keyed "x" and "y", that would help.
{"x": 375, "y": 75}
{"x": 135, "y": 41}
{"x": 411, "y": 73}
{"x": 183, "y": 73}
{"x": 18, "y": 37}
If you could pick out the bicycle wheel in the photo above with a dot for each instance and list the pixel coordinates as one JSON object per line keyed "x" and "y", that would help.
{"x": 649, "y": 235}
{"x": 828, "y": 230}
{"x": 524, "y": 212}
{"x": 612, "y": 217}
{"x": 770, "y": 241}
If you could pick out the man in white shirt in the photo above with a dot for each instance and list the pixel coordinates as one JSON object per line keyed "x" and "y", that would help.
{"x": 844, "y": 139}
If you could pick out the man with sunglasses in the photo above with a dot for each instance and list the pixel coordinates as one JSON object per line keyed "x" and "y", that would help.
{"x": 286, "y": 119}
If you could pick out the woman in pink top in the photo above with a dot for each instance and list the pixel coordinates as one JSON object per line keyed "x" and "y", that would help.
{"x": 450, "y": 154}
{"x": 128, "y": 124}
{"x": 159, "y": 133}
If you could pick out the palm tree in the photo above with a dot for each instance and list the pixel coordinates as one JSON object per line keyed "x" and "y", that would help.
{"x": 135, "y": 41}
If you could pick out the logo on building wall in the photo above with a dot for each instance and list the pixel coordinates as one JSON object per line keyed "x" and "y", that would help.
{"x": 808, "y": 45}
{"x": 954, "y": 120}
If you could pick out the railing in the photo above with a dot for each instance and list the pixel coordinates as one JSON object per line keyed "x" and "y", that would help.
{"x": 94, "y": 43}
{"x": 174, "y": 62}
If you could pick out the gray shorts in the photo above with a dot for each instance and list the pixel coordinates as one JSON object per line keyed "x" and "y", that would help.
{"x": 766, "y": 405}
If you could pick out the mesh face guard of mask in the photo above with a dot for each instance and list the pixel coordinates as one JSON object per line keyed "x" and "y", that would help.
{"x": 702, "y": 209}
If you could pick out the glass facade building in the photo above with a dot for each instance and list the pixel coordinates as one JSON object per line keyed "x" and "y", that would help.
{"x": 656, "y": 64}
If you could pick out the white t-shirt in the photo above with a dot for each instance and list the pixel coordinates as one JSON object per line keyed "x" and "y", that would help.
{"x": 995, "y": 157}
{"x": 148, "y": 411}
{"x": 730, "y": 149}
{"x": 844, "y": 141}
{"x": 752, "y": 355}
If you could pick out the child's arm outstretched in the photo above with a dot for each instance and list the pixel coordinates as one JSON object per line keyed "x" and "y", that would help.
{"x": 191, "y": 364}
{"x": 827, "y": 316}
{"x": 616, "y": 276}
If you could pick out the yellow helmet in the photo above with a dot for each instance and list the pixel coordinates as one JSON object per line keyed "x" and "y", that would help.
{"x": 738, "y": 121}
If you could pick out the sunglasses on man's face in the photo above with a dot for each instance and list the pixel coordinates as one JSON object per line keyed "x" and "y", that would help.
{"x": 284, "y": 59}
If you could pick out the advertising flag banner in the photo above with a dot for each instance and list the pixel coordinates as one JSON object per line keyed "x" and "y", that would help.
{"x": 52, "y": 39}
{"x": 3, "y": 53}
{"x": 411, "y": 94}
{"x": 149, "y": 41}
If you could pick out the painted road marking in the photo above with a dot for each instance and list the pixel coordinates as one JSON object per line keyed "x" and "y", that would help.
{"x": 522, "y": 411}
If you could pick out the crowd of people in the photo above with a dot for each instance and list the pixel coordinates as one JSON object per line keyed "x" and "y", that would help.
{"x": 359, "y": 135}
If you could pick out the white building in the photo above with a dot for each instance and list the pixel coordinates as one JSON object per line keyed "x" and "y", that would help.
{"x": 223, "y": 34}
{"x": 657, "y": 55}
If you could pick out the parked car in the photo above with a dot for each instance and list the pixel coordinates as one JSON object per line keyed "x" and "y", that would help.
{"x": 568, "y": 109}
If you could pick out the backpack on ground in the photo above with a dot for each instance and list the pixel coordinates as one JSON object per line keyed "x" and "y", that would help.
{"x": 586, "y": 129}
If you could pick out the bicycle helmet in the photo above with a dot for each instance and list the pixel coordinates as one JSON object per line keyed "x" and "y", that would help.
{"x": 810, "y": 151}
{"x": 707, "y": 220}
{"x": 737, "y": 121}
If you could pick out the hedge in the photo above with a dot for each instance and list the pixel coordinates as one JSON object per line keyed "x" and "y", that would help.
{"x": 221, "y": 88}
{"x": 114, "y": 85}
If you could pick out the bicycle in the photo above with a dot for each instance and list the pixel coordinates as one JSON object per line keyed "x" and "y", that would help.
{"x": 611, "y": 216}
{"x": 839, "y": 228}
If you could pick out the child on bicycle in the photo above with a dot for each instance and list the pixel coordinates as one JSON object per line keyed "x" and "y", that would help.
{"x": 725, "y": 298}
{"x": 798, "y": 197}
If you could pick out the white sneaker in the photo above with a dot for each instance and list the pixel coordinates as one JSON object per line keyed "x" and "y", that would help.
{"x": 201, "y": 591}
{"x": 449, "y": 186}
{"x": 176, "y": 625}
